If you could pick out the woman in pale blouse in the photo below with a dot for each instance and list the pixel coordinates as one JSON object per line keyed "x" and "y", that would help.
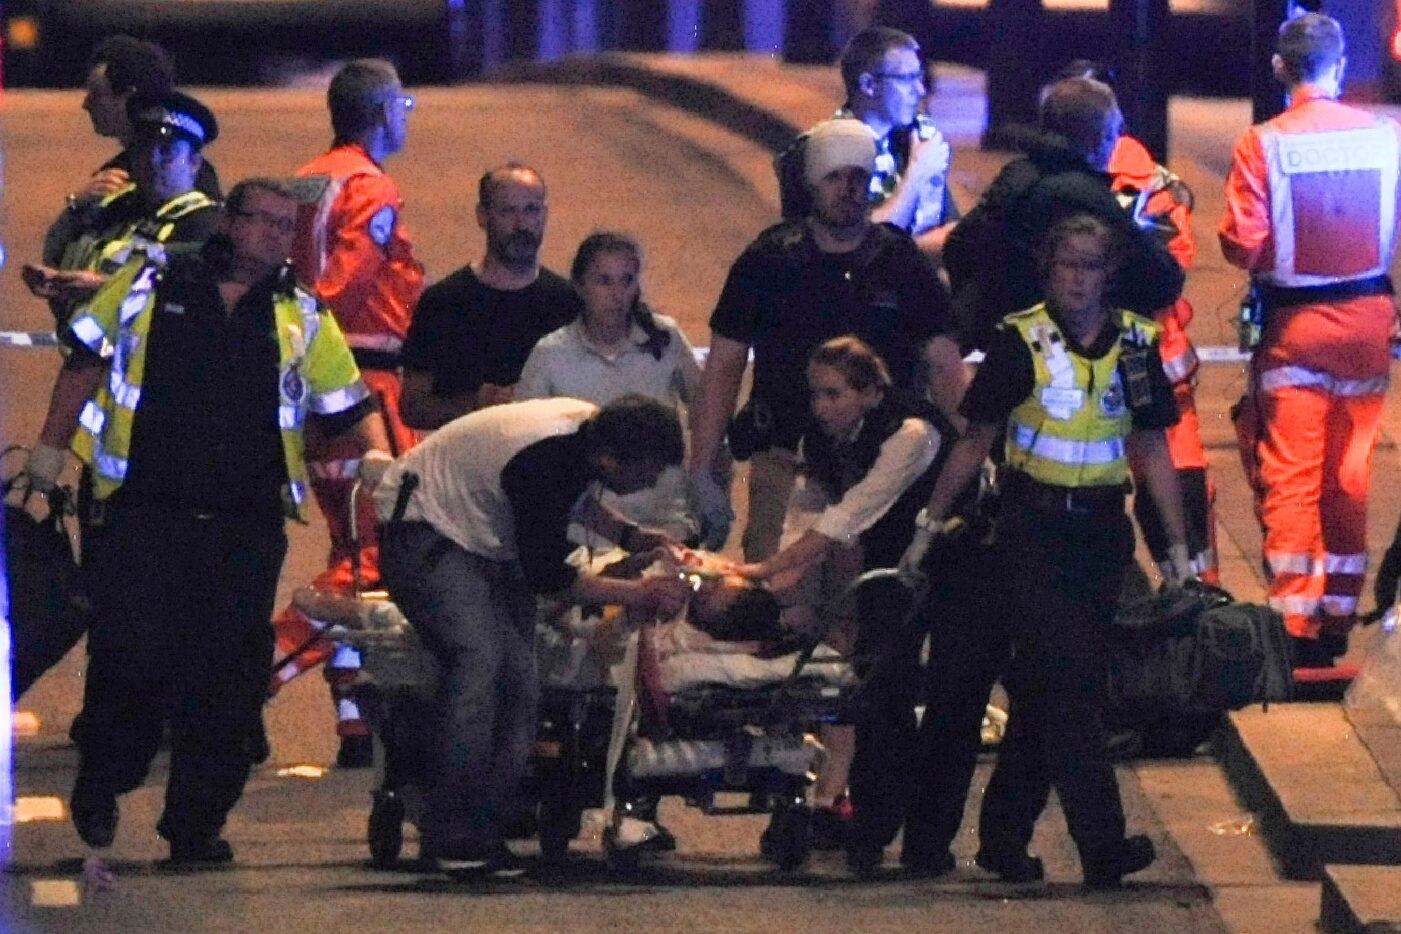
{"x": 617, "y": 346}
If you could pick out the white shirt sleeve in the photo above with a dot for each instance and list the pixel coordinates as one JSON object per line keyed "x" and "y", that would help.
{"x": 903, "y": 458}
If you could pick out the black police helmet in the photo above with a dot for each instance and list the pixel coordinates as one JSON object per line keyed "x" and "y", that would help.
{"x": 173, "y": 115}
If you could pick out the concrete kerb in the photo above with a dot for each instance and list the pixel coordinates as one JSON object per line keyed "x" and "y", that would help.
{"x": 1360, "y": 900}
{"x": 1317, "y": 790}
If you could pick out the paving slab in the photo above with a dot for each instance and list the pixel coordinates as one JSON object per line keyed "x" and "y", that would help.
{"x": 1361, "y": 900}
{"x": 1319, "y": 793}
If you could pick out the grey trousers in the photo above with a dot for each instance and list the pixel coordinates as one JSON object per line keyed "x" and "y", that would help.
{"x": 477, "y": 618}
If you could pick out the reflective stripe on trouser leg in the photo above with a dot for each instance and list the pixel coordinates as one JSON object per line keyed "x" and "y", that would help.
{"x": 348, "y": 719}
{"x": 294, "y": 628}
{"x": 1290, "y": 456}
{"x": 1353, "y": 426}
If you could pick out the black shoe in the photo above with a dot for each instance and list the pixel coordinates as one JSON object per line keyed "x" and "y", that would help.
{"x": 1106, "y": 869}
{"x": 932, "y": 866}
{"x": 864, "y": 860}
{"x": 497, "y": 865}
{"x": 94, "y": 816}
{"x": 356, "y": 752}
{"x": 198, "y": 854}
{"x": 1011, "y": 867}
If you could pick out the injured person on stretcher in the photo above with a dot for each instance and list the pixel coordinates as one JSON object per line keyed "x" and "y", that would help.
{"x": 731, "y": 635}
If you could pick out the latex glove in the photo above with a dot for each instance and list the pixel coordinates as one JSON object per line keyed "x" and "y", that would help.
{"x": 912, "y": 560}
{"x": 926, "y": 531}
{"x": 710, "y": 503}
{"x": 930, "y": 156}
{"x": 373, "y": 465}
{"x": 1177, "y": 569}
{"x": 43, "y": 466}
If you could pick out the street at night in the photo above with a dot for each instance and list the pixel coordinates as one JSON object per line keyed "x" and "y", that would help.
{"x": 695, "y": 192}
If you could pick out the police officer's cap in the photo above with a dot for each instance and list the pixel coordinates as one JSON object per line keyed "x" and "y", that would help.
{"x": 174, "y": 115}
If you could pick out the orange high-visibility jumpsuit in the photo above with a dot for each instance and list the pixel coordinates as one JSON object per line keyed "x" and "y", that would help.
{"x": 1169, "y": 202}
{"x": 1311, "y": 204}
{"x": 354, "y": 250}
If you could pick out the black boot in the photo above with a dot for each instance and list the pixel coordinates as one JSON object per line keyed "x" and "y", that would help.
{"x": 1011, "y": 866}
{"x": 1106, "y": 868}
{"x": 94, "y": 813}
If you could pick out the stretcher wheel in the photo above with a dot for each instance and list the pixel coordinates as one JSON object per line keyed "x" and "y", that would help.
{"x": 386, "y": 829}
{"x": 622, "y": 860}
{"x": 787, "y": 839}
{"x": 558, "y": 824}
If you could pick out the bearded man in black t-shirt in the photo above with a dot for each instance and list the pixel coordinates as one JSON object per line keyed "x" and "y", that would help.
{"x": 472, "y": 331}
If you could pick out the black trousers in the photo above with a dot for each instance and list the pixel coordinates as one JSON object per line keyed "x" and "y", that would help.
{"x": 917, "y": 775}
{"x": 969, "y": 650}
{"x": 1064, "y": 571}
{"x": 180, "y": 634}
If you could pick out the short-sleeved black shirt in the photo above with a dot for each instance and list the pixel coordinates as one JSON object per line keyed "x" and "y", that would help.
{"x": 466, "y": 333}
{"x": 1008, "y": 375}
{"x": 784, "y": 297}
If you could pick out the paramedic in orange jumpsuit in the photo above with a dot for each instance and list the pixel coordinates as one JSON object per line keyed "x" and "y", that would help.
{"x": 353, "y": 248}
{"x": 1167, "y": 206}
{"x": 1311, "y": 214}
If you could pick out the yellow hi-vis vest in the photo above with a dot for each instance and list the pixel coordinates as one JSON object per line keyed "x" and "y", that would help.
{"x": 1071, "y": 430}
{"x": 107, "y": 250}
{"x": 316, "y": 373}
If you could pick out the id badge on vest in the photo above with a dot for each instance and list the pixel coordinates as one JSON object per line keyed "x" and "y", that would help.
{"x": 1062, "y": 402}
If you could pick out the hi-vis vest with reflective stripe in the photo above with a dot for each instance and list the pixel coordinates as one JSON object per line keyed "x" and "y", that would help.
{"x": 107, "y": 250}
{"x": 316, "y": 373}
{"x": 1332, "y": 203}
{"x": 1071, "y": 430}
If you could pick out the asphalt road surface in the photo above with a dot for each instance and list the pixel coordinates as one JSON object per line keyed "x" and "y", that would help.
{"x": 691, "y": 191}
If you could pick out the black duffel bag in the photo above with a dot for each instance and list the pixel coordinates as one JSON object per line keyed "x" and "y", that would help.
{"x": 1206, "y": 657}
{"x": 47, "y": 611}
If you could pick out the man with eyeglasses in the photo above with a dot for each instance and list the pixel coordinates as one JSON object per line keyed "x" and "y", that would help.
{"x": 885, "y": 85}
{"x": 353, "y": 249}
{"x": 187, "y": 394}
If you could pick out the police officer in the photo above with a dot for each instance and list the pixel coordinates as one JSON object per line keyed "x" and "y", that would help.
{"x": 158, "y": 212}
{"x": 159, "y": 205}
{"x": 354, "y": 249}
{"x": 1077, "y": 386}
{"x": 190, "y": 387}
{"x": 1311, "y": 214}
